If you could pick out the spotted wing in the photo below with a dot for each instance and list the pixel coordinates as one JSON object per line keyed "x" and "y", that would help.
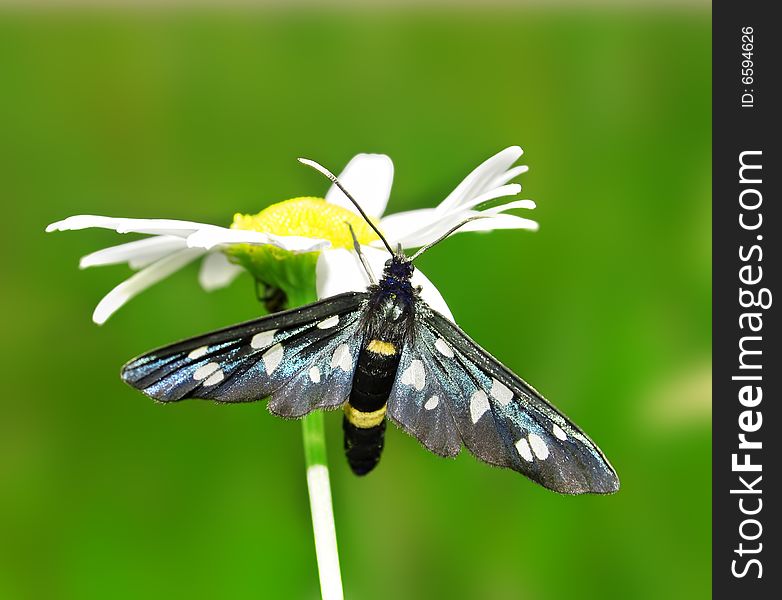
{"x": 302, "y": 359}
{"x": 450, "y": 391}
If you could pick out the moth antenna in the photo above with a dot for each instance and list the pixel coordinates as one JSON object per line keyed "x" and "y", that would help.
{"x": 320, "y": 168}
{"x": 446, "y": 234}
{"x": 361, "y": 257}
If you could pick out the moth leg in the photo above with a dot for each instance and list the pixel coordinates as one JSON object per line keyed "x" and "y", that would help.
{"x": 273, "y": 298}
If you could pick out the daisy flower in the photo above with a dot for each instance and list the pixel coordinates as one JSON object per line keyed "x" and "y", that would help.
{"x": 283, "y": 244}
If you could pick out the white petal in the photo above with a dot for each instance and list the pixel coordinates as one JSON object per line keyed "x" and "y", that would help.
{"x": 340, "y": 271}
{"x": 499, "y": 192}
{"x": 217, "y": 236}
{"x": 487, "y": 182}
{"x": 415, "y": 228}
{"x": 430, "y": 227}
{"x": 510, "y": 174}
{"x": 431, "y": 295}
{"x": 141, "y": 281}
{"x": 298, "y": 243}
{"x": 148, "y": 226}
{"x": 400, "y": 226}
{"x": 138, "y": 254}
{"x": 217, "y": 271}
{"x": 500, "y": 222}
{"x": 528, "y": 204}
{"x": 425, "y": 225}
{"x": 368, "y": 178}
{"x": 490, "y": 174}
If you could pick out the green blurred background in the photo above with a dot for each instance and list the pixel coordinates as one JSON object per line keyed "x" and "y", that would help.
{"x": 198, "y": 114}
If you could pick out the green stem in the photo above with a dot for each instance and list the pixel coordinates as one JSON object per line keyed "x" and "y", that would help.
{"x": 323, "y": 527}
{"x": 314, "y": 439}
{"x": 298, "y": 293}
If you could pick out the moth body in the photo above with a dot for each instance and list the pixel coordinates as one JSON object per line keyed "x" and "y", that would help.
{"x": 387, "y": 323}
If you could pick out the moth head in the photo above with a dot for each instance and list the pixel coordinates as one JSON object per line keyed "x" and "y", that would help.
{"x": 399, "y": 266}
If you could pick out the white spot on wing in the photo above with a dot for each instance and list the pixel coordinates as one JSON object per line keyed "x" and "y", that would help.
{"x": 328, "y": 323}
{"x": 198, "y": 352}
{"x": 524, "y": 450}
{"x": 558, "y": 432}
{"x": 263, "y": 339}
{"x": 314, "y": 374}
{"x": 415, "y": 375}
{"x": 272, "y": 357}
{"x": 479, "y": 404}
{"x": 215, "y": 378}
{"x": 341, "y": 358}
{"x": 443, "y": 348}
{"x": 500, "y": 392}
{"x": 432, "y": 403}
{"x": 538, "y": 446}
{"x": 205, "y": 371}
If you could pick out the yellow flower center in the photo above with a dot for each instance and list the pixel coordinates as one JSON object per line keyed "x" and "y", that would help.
{"x": 293, "y": 273}
{"x": 308, "y": 217}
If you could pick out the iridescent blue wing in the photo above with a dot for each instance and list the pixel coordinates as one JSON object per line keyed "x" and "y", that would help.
{"x": 302, "y": 359}
{"x": 449, "y": 391}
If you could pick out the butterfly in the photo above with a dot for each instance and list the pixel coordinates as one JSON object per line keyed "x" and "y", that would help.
{"x": 382, "y": 354}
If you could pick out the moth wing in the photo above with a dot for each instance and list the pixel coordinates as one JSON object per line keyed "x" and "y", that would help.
{"x": 500, "y": 418}
{"x": 417, "y": 401}
{"x": 302, "y": 359}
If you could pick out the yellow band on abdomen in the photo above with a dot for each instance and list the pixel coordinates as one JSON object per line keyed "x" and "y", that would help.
{"x": 364, "y": 420}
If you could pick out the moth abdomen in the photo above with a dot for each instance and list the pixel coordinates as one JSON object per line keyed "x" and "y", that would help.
{"x": 363, "y": 445}
{"x": 364, "y": 423}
